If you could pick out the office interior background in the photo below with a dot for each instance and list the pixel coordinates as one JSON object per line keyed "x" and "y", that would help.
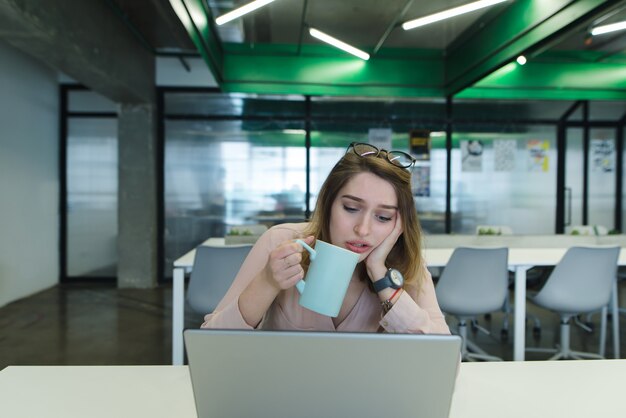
{"x": 122, "y": 148}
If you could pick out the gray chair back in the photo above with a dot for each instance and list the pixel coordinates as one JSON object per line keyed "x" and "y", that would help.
{"x": 581, "y": 282}
{"x": 474, "y": 281}
{"x": 214, "y": 269}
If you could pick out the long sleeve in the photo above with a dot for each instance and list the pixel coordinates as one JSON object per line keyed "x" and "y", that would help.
{"x": 227, "y": 313}
{"x": 416, "y": 313}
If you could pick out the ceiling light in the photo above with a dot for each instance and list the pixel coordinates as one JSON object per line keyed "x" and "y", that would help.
{"x": 338, "y": 44}
{"x": 446, "y": 14}
{"x": 245, "y": 9}
{"x": 600, "y": 30}
{"x": 294, "y": 131}
{"x": 521, "y": 60}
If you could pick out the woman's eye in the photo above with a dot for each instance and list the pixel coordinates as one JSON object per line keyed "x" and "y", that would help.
{"x": 384, "y": 218}
{"x": 349, "y": 209}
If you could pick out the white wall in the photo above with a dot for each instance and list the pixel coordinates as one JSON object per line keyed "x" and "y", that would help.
{"x": 29, "y": 179}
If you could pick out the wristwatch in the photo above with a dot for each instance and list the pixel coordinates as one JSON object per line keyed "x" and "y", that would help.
{"x": 393, "y": 279}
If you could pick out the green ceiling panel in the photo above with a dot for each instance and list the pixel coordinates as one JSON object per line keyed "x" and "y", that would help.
{"x": 519, "y": 28}
{"x": 466, "y": 69}
{"x": 547, "y": 78}
{"x": 320, "y": 70}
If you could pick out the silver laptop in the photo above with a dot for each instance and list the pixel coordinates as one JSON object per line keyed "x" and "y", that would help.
{"x": 271, "y": 374}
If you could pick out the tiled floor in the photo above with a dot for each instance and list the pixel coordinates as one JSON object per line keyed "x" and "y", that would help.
{"x": 99, "y": 324}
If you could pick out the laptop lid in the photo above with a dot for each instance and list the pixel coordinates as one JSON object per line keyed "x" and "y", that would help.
{"x": 238, "y": 373}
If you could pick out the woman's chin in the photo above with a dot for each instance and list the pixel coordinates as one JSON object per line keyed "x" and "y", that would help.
{"x": 363, "y": 256}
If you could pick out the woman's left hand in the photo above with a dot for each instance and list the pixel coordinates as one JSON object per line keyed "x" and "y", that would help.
{"x": 375, "y": 262}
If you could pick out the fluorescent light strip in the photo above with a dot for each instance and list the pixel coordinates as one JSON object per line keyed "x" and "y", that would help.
{"x": 446, "y": 14}
{"x": 245, "y": 9}
{"x": 601, "y": 30}
{"x": 338, "y": 44}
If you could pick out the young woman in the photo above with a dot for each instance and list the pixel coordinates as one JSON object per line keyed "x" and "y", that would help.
{"x": 366, "y": 206}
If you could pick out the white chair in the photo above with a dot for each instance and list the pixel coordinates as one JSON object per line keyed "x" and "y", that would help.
{"x": 580, "y": 283}
{"x": 474, "y": 282}
{"x": 214, "y": 269}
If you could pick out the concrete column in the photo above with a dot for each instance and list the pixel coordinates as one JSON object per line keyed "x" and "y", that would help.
{"x": 137, "y": 196}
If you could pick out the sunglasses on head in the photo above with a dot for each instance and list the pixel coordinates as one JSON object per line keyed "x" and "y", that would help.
{"x": 398, "y": 158}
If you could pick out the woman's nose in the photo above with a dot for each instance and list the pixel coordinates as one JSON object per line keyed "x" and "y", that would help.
{"x": 362, "y": 227}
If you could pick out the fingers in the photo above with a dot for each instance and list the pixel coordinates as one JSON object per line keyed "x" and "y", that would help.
{"x": 284, "y": 263}
{"x": 398, "y": 228}
{"x": 379, "y": 255}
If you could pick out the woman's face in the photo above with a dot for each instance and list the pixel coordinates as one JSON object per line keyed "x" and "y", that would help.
{"x": 363, "y": 214}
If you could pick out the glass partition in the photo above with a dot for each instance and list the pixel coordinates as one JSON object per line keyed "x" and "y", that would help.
{"x": 504, "y": 178}
{"x": 234, "y": 159}
{"x": 220, "y": 174}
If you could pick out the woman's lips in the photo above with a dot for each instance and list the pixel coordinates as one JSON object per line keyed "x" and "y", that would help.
{"x": 357, "y": 247}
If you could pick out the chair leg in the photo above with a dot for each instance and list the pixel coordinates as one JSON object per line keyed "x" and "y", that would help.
{"x": 582, "y": 325}
{"x": 603, "y": 325}
{"x": 565, "y": 351}
{"x": 476, "y": 352}
{"x": 462, "y": 327}
{"x": 581, "y": 355}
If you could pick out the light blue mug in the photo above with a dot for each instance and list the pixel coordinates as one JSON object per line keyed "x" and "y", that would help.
{"x": 327, "y": 279}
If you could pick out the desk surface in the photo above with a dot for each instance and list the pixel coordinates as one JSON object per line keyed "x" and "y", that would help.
{"x": 438, "y": 257}
{"x": 570, "y": 389}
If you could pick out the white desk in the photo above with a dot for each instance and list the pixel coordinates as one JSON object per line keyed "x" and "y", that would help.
{"x": 520, "y": 260}
{"x": 544, "y": 389}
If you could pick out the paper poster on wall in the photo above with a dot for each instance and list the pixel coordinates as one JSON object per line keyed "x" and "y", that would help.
{"x": 472, "y": 155}
{"x": 421, "y": 181}
{"x": 538, "y": 155}
{"x": 380, "y": 138}
{"x": 419, "y": 139}
{"x": 603, "y": 155}
{"x": 504, "y": 154}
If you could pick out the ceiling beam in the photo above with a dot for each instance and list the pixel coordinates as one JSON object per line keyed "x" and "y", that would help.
{"x": 199, "y": 23}
{"x": 521, "y": 27}
{"x": 86, "y": 40}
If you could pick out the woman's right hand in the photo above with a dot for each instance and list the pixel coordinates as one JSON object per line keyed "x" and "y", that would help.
{"x": 283, "y": 267}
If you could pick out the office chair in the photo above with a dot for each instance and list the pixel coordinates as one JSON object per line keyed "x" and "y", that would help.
{"x": 580, "y": 283}
{"x": 474, "y": 282}
{"x": 214, "y": 269}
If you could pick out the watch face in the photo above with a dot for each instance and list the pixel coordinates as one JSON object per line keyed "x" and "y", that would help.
{"x": 396, "y": 277}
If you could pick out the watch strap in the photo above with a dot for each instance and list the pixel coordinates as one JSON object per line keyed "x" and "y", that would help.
{"x": 382, "y": 284}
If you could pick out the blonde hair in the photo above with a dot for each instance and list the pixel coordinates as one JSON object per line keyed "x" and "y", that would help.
{"x": 406, "y": 255}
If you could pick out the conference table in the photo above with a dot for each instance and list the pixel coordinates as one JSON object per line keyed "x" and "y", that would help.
{"x": 520, "y": 261}
{"x": 573, "y": 389}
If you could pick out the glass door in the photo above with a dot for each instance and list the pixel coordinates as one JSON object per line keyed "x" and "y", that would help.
{"x": 602, "y": 160}
{"x": 600, "y": 177}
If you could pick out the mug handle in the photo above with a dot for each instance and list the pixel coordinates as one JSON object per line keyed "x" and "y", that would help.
{"x": 309, "y": 249}
{"x": 301, "y": 284}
